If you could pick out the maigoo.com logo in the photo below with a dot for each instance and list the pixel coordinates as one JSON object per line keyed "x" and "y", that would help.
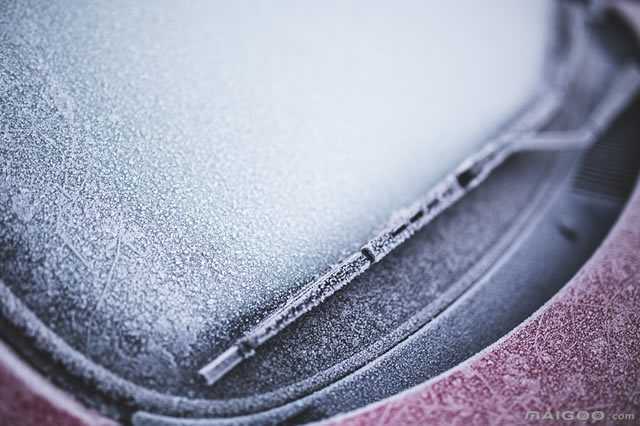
{"x": 577, "y": 415}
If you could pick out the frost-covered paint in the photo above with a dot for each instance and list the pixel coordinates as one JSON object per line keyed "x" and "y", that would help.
{"x": 28, "y": 399}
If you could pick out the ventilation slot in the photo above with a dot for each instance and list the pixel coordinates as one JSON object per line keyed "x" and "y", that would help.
{"x": 609, "y": 169}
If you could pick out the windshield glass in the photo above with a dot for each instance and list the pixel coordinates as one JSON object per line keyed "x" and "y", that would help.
{"x": 205, "y": 161}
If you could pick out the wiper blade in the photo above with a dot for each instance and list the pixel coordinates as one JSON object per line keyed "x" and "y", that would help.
{"x": 523, "y": 135}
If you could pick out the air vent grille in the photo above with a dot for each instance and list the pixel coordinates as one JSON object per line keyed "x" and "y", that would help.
{"x": 609, "y": 169}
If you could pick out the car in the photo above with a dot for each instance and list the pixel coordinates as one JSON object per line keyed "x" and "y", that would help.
{"x": 338, "y": 213}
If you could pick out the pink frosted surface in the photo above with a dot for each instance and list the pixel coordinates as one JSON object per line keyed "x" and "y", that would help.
{"x": 581, "y": 351}
{"x": 27, "y": 399}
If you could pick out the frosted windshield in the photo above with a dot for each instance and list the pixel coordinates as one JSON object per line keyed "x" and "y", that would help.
{"x": 220, "y": 155}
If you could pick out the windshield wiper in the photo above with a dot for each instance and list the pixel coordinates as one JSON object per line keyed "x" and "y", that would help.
{"x": 524, "y": 134}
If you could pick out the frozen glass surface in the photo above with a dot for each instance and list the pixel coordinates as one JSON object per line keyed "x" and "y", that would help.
{"x": 181, "y": 169}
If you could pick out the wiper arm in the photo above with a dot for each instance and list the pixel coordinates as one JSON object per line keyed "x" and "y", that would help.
{"x": 523, "y": 135}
